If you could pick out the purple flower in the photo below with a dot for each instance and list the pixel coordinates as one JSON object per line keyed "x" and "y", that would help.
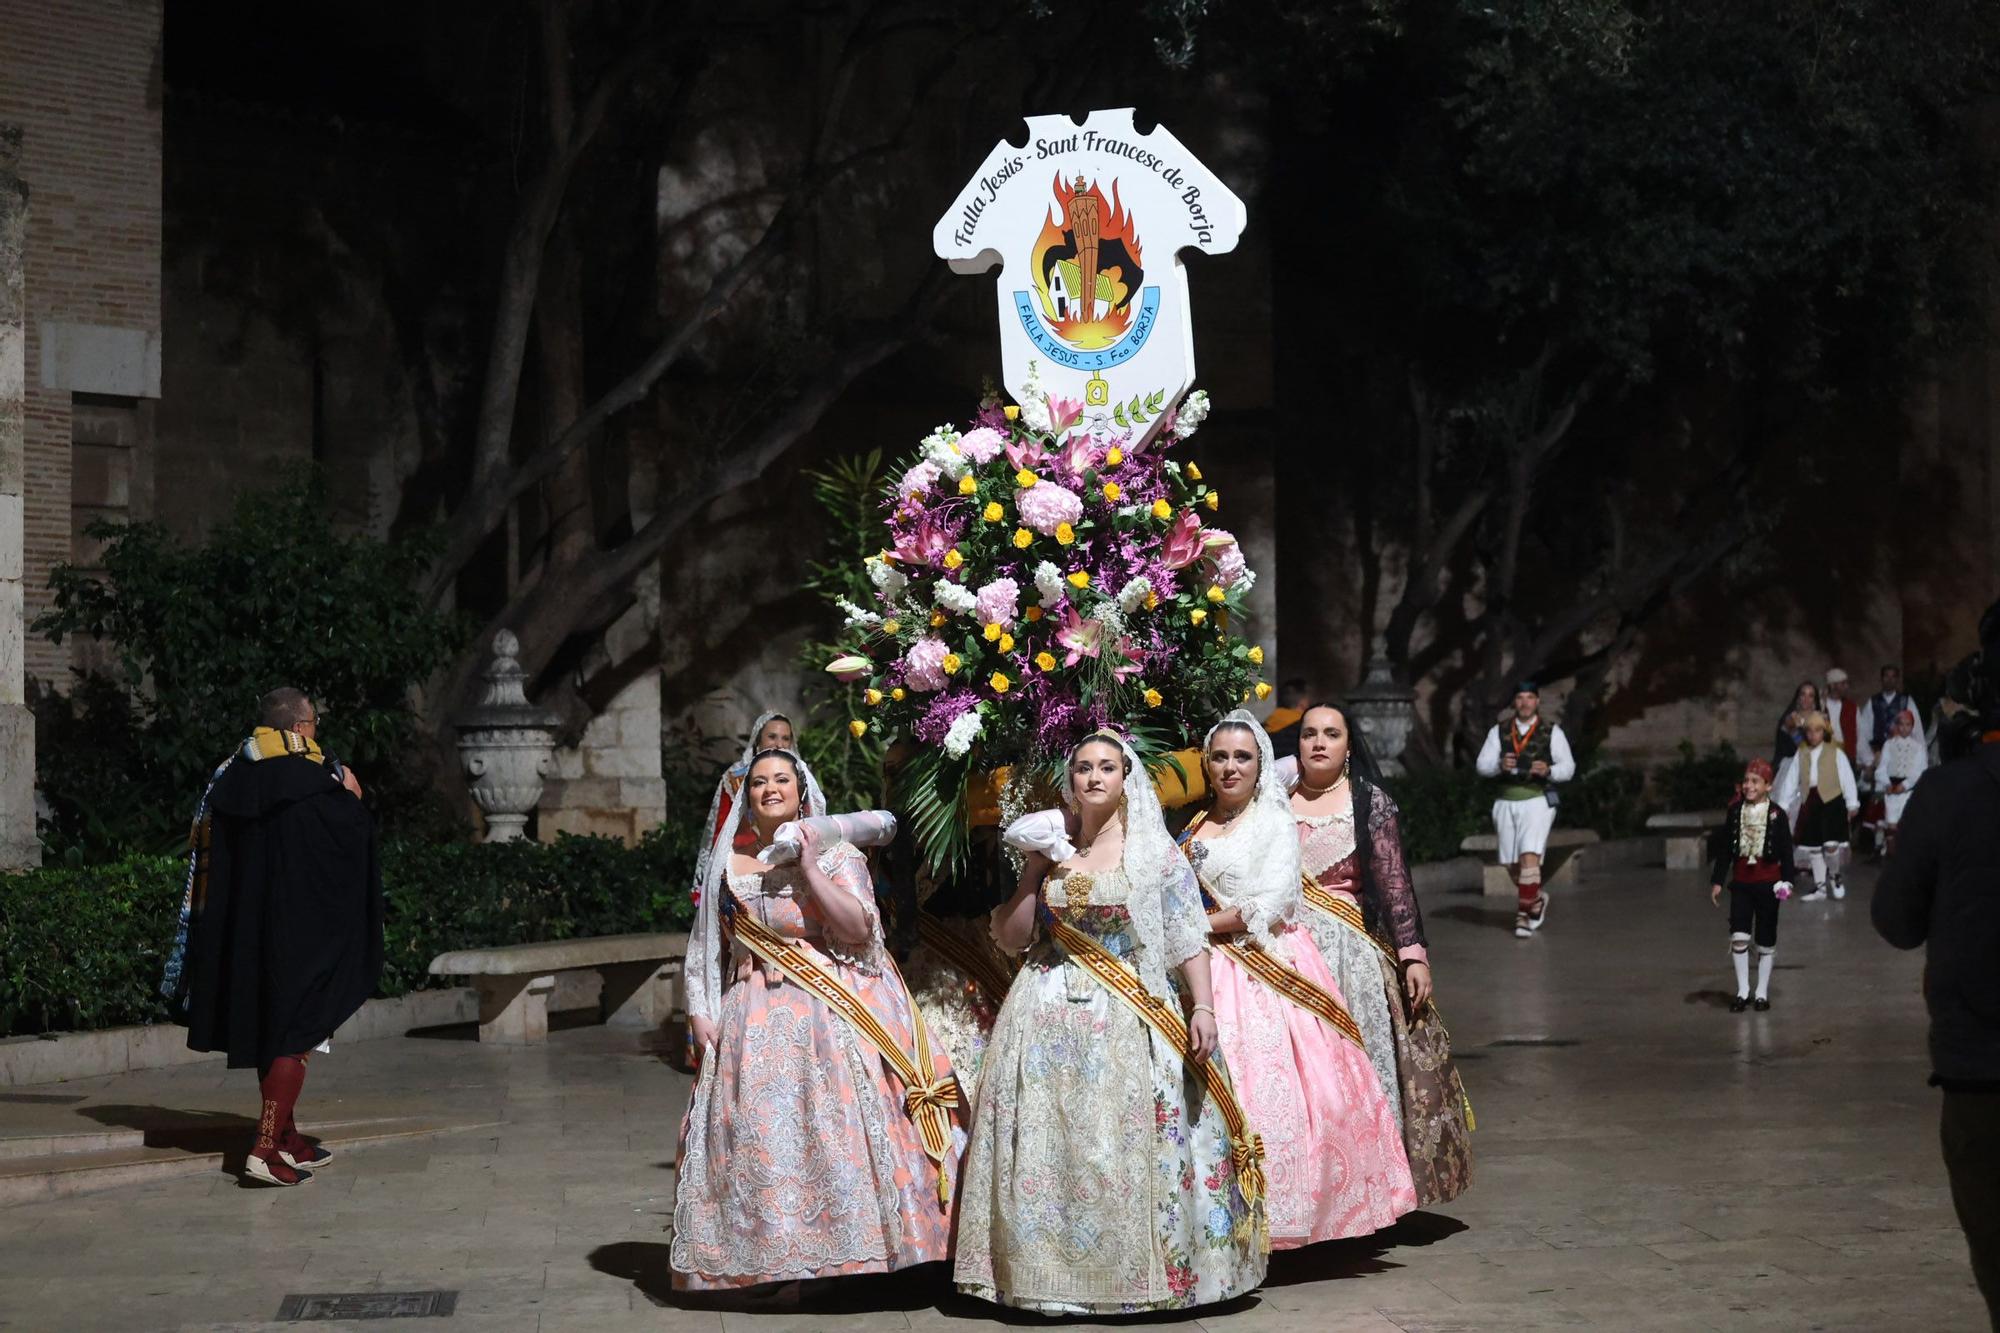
{"x": 944, "y": 710}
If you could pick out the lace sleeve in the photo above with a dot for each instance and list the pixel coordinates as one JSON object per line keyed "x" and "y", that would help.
{"x": 703, "y": 967}
{"x": 1185, "y": 925}
{"x": 844, "y": 864}
{"x": 1389, "y": 880}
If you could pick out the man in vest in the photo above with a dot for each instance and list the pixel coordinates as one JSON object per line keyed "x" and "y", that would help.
{"x": 1528, "y": 755}
{"x": 1843, "y": 710}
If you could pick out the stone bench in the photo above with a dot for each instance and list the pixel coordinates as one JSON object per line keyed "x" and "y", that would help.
{"x": 1685, "y": 835}
{"x": 1562, "y": 863}
{"x": 639, "y": 973}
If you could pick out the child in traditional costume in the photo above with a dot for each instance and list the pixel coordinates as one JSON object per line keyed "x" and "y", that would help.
{"x": 1752, "y": 857}
{"x": 1819, "y": 788}
{"x": 1902, "y": 760}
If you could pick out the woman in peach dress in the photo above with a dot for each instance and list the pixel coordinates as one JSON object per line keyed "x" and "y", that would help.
{"x": 800, "y": 1156}
{"x": 1333, "y": 1152}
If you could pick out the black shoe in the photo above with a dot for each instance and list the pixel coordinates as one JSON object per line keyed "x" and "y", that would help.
{"x": 1762, "y": 1005}
{"x": 1739, "y": 1004}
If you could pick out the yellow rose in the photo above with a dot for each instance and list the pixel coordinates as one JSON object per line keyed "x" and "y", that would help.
{"x": 1080, "y": 579}
{"x": 1153, "y": 699}
{"x": 1011, "y": 412}
{"x": 1023, "y": 539}
{"x": 1162, "y": 510}
{"x": 892, "y": 626}
{"x": 1263, "y": 690}
{"x": 1213, "y": 500}
{"x": 1112, "y": 492}
{"x": 872, "y": 696}
{"x": 1033, "y": 613}
{"x": 1196, "y": 616}
{"x": 992, "y": 512}
{"x": 966, "y": 484}
{"x": 1217, "y": 595}
{"x": 993, "y": 631}
{"x": 937, "y": 618}
{"x": 952, "y": 559}
{"x": 952, "y": 662}
{"x": 897, "y": 694}
{"x": 858, "y": 728}
{"x": 1152, "y": 601}
{"x": 1194, "y": 473}
{"x": 1046, "y": 661}
{"x": 1006, "y": 643}
{"x": 1024, "y": 479}
{"x": 1000, "y": 683}
{"x": 1256, "y": 654}
{"x": 1065, "y": 534}
{"x": 1115, "y": 457}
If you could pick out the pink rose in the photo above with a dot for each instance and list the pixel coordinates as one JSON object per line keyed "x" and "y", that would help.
{"x": 923, "y": 667}
{"x": 982, "y": 444}
{"x": 999, "y": 603}
{"x": 1046, "y": 506}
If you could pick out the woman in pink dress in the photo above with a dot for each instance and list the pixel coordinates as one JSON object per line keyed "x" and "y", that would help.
{"x": 801, "y": 1154}
{"x": 1333, "y": 1154}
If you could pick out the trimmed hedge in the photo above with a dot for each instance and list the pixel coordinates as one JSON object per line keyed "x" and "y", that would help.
{"x": 82, "y": 947}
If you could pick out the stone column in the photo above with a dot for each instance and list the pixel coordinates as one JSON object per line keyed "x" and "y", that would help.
{"x": 17, "y": 725}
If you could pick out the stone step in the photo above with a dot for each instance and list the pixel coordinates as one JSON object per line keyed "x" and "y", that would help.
{"x": 28, "y": 1179}
{"x": 14, "y": 1146}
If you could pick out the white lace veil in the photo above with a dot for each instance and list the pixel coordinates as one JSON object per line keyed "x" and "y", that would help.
{"x": 704, "y": 955}
{"x": 1164, "y": 902}
{"x": 815, "y": 798}
{"x": 1254, "y": 867}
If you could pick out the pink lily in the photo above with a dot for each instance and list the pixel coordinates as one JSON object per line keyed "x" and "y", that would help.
{"x": 1082, "y": 637}
{"x": 1064, "y": 413}
{"x": 1184, "y": 544}
{"x": 1026, "y": 453}
{"x": 1079, "y": 453}
{"x": 1132, "y": 664}
{"x": 925, "y": 544}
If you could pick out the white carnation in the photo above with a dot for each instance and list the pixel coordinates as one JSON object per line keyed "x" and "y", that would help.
{"x": 1049, "y": 583}
{"x": 955, "y": 597}
{"x": 1133, "y": 595}
{"x": 888, "y": 580}
{"x": 1194, "y": 411}
{"x": 963, "y": 732}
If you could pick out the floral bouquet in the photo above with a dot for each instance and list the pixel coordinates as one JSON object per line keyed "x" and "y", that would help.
{"x": 1039, "y": 582}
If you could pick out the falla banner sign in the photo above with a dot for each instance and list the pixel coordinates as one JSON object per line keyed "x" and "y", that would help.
{"x": 1087, "y": 222}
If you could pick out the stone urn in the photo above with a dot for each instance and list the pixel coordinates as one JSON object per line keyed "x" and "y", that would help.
{"x": 506, "y": 744}
{"x": 1385, "y": 709}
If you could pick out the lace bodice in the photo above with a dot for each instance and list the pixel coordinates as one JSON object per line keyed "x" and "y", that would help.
{"x": 1329, "y": 852}
{"x": 1166, "y": 928}
{"x": 1261, "y": 882}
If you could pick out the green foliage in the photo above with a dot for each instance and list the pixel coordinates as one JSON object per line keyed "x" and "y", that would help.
{"x": 1440, "y": 808}
{"x": 275, "y": 596}
{"x": 83, "y": 947}
{"x": 1609, "y": 798}
{"x": 1696, "y": 780}
{"x": 849, "y": 767}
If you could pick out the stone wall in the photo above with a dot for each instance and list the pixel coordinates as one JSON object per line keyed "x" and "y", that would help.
{"x": 81, "y": 79}
{"x": 17, "y": 724}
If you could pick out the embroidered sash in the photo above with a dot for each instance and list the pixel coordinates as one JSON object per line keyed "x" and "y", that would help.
{"x": 984, "y": 970}
{"x": 1274, "y": 973}
{"x": 1246, "y": 1149}
{"x": 928, "y": 1099}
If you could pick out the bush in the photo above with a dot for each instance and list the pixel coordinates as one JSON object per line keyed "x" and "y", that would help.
{"x": 1697, "y": 781}
{"x": 1440, "y": 808}
{"x": 275, "y": 596}
{"x": 83, "y": 947}
{"x": 1608, "y": 798}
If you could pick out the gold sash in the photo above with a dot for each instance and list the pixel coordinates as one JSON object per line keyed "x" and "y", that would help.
{"x": 928, "y": 1099}
{"x": 1246, "y": 1149}
{"x": 984, "y": 970}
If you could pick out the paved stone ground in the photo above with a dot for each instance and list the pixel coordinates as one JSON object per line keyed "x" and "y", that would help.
{"x": 1646, "y": 1160}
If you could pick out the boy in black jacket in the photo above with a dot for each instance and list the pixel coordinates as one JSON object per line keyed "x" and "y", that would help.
{"x": 1752, "y": 853}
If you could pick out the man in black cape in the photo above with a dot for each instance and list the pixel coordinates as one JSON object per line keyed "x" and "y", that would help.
{"x": 284, "y": 939}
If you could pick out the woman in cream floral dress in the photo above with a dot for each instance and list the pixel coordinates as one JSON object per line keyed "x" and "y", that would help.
{"x": 1102, "y": 1175}
{"x": 799, "y": 1158}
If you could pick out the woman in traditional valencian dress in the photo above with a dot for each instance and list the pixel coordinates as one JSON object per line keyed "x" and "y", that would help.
{"x": 771, "y": 731}
{"x": 1362, "y": 911}
{"x": 1333, "y": 1150}
{"x": 1110, "y": 1168}
{"x": 822, "y": 1138}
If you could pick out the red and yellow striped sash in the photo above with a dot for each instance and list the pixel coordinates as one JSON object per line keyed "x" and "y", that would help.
{"x": 927, "y": 1098}
{"x": 1342, "y": 909}
{"x": 985, "y": 970}
{"x": 1246, "y": 1149}
{"x": 1300, "y": 990}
